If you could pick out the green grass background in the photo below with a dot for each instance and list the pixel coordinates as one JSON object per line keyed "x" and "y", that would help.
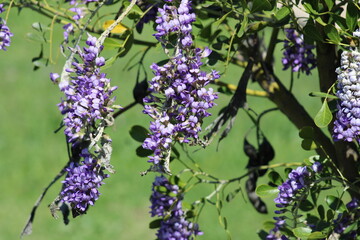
{"x": 31, "y": 154}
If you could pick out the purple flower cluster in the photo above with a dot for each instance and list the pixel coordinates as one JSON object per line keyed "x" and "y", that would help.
{"x": 88, "y": 98}
{"x": 297, "y": 54}
{"x": 298, "y": 179}
{"x": 175, "y": 20}
{"x": 275, "y": 233}
{"x": 347, "y": 218}
{"x": 179, "y": 100}
{"x": 347, "y": 123}
{"x": 79, "y": 11}
{"x": 69, "y": 30}
{"x": 80, "y": 187}
{"x": 5, "y": 33}
{"x": 166, "y": 201}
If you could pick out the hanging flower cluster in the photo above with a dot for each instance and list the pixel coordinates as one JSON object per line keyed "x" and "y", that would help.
{"x": 166, "y": 203}
{"x": 297, "y": 54}
{"x": 298, "y": 180}
{"x": 87, "y": 107}
{"x": 80, "y": 187}
{"x": 347, "y": 123}
{"x": 179, "y": 100}
{"x": 5, "y": 34}
{"x": 88, "y": 96}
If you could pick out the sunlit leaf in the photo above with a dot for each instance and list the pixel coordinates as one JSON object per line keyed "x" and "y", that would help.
{"x": 119, "y": 29}
{"x": 266, "y": 191}
{"x": 260, "y": 5}
{"x": 324, "y": 116}
{"x": 302, "y": 232}
{"x": 332, "y": 33}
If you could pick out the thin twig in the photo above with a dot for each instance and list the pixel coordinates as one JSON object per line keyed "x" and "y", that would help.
{"x": 28, "y": 227}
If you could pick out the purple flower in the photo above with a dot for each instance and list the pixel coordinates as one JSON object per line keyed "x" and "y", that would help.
{"x": 317, "y": 167}
{"x": 347, "y": 123}
{"x": 297, "y": 54}
{"x": 2, "y": 9}
{"x": 275, "y": 233}
{"x": 80, "y": 187}
{"x": 178, "y": 115}
{"x": 166, "y": 203}
{"x": 346, "y": 219}
{"x": 88, "y": 96}
{"x": 69, "y": 30}
{"x": 298, "y": 180}
{"x": 54, "y": 77}
{"x": 5, "y": 35}
{"x": 80, "y": 13}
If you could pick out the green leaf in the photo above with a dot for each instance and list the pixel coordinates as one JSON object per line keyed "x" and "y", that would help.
{"x": 243, "y": 27}
{"x": 262, "y": 234}
{"x": 329, "y": 215}
{"x": 111, "y": 43}
{"x": 36, "y": 37}
{"x": 139, "y": 133}
{"x": 306, "y": 132}
{"x": 283, "y": 13}
{"x": 321, "y": 211}
{"x": 155, "y": 224}
{"x": 308, "y": 144}
{"x": 329, "y": 3}
{"x": 316, "y": 235}
{"x": 340, "y": 21}
{"x": 218, "y": 22}
{"x": 302, "y": 232}
{"x": 335, "y": 203}
{"x": 352, "y": 16}
{"x": 323, "y": 95}
{"x": 306, "y": 205}
{"x": 332, "y": 33}
{"x": 39, "y": 27}
{"x": 135, "y": 9}
{"x": 42, "y": 62}
{"x": 268, "y": 225}
{"x": 261, "y": 5}
{"x": 311, "y": 32}
{"x": 310, "y": 9}
{"x": 266, "y": 191}
{"x": 275, "y": 178}
{"x": 324, "y": 116}
{"x": 128, "y": 42}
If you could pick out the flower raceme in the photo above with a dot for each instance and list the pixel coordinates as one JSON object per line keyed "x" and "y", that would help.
{"x": 166, "y": 203}
{"x": 298, "y": 181}
{"x": 87, "y": 107}
{"x": 88, "y": 96}
{"x": 347, "y": 123}
{"x": 297, "y": 54}
{"x": 5, "y": 34}
{"x": 80, "y": 187}
{"x": 178, "y": 99}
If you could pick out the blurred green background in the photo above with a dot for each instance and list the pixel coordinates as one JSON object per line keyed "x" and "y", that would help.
{"x": 31, "y": 154}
